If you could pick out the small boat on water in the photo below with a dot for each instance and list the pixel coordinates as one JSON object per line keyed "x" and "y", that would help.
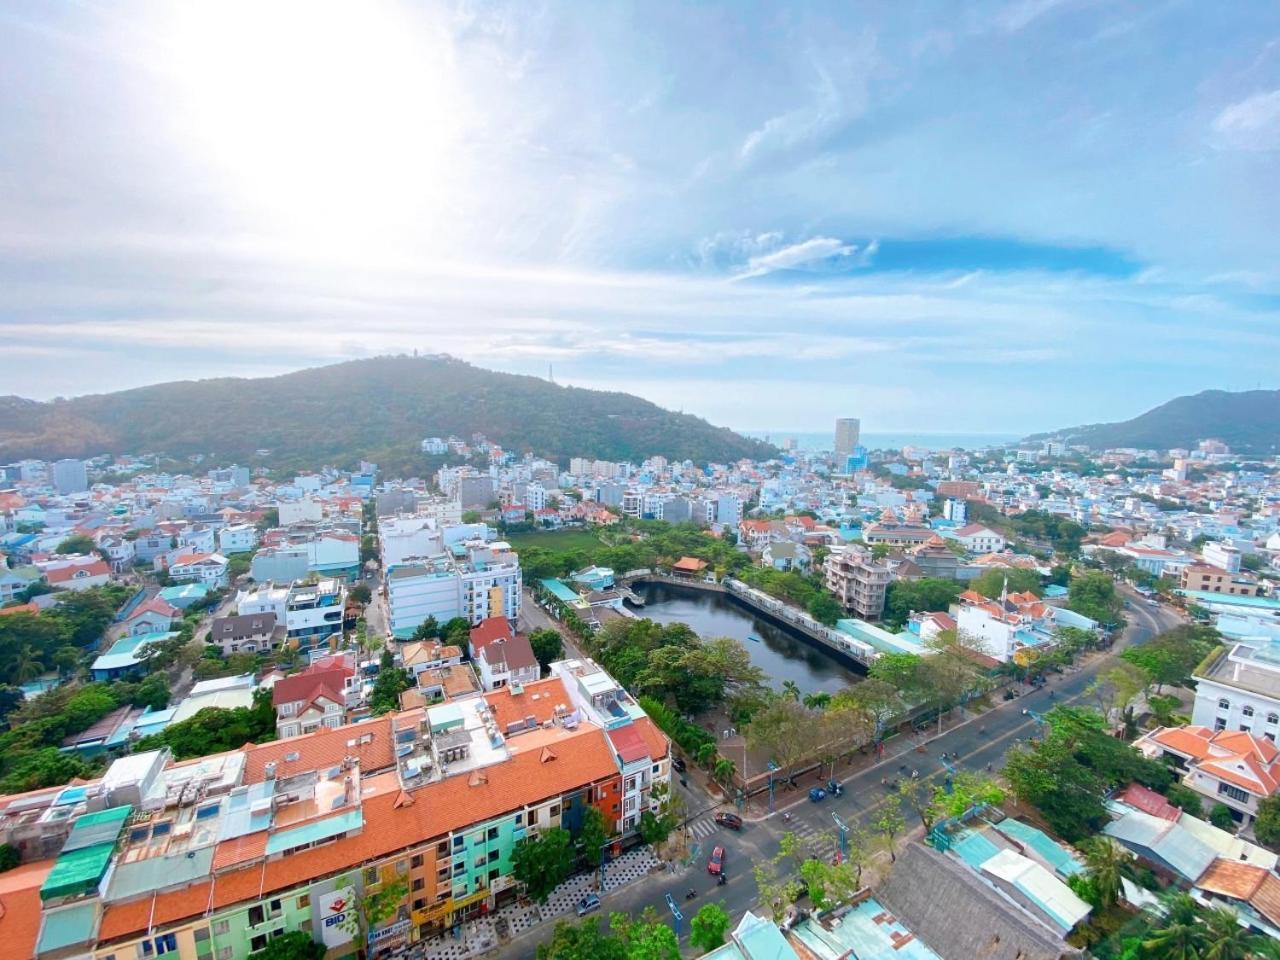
{"x": 753, "y": 638}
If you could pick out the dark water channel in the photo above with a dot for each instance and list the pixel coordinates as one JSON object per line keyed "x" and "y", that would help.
{"x": 777, "y": 652}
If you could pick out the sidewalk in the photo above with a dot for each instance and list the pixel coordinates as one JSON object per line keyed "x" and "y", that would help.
{"x": 480, "y": 936}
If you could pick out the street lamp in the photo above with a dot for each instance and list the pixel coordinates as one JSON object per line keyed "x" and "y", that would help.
{"x": 675, "y": 912}
{"x": 772, "y": 767}
{"x": 844, "y": 834}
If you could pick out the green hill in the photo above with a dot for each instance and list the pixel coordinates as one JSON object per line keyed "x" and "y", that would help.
{"x": 377, "y": 409}
{"x": 1248, "y": 422}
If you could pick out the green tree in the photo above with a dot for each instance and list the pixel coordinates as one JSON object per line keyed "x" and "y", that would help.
{"x": 791, "y": 690}
{"x": 591, "y": 837}
{"x": 708, "y": 926}
{"x": 390, "y": 683}
{"x": 829, "y": 884}
{"x": 1184, "y": 798}
{"x": 825, "y": 609}
{"x": 581, "y": 941}
{"x": 1267, "y": 827}
{"x": 1220, "y": 816}
{"x": 66, "y": 659}
{"x": 1106, "y": 863}
{"x": 543, "y": 862}
{"x": 900, "y": 670}
{"x": 368, "y": 548}
{"x": 890, "y": 824}
{"x": 360, "y": 593}
{"x": 1179, "y": 934}
{"x": 456, "y": 630}
{"x": 28, "y": 666}
{"x": 1172, "y": 656}
{"x": 1225, "y": 939}
{"x": 548, "y": 646}
{"x": 79, "y": 543}
{"x": 1093, "y": 595}
{"x": 904, "y": 597}
{"x": 9, "y": 857}
{"x": 429, "y": 629}
{"x": 293, "y": 945}
{"x": 993, "y": 582}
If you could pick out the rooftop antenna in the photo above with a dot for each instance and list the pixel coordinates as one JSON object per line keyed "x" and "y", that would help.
{"x": 551, "y": 373}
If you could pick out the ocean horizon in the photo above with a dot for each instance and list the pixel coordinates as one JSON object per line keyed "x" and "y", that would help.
{"x": 820, "y": 440}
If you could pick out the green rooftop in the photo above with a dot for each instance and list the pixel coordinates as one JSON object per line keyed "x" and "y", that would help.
{"x": 77, "y": 872}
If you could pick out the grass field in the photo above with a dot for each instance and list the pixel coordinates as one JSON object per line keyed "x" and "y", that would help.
{"x": 555, "y": 539}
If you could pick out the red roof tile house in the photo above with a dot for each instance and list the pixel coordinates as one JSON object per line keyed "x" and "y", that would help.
{"x": 310, "y": 700}
{"x": 501, "y": 655}
{"x": 154, "y": 616}
{"x": 80, "y": 575}
{"x": 1229, "y": 766}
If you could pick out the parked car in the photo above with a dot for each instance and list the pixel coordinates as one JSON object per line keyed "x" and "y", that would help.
{"x": 715, "y": 866}
{"x": 587, "y": 904}
{"x": 677, "y": 763}
{"x": 816, "y": 794}
{"x": 730, "y": 820}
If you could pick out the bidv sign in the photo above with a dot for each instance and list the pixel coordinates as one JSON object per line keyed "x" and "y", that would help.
{"x": 336, "y": 920}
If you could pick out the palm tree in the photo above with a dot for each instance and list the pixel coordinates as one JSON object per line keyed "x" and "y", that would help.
{"x": 28, "y": 666}
{"x": 791, "y": 689}
{"x": 817, "y": 701}
{"x": 1106, "y": 862}
{"x": 724, "y": 770}
{"x": 1225, "y": 939}
{"x": 1179, "y": 935}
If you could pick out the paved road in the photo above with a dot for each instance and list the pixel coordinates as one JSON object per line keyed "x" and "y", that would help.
{"x": 862, "y": 799}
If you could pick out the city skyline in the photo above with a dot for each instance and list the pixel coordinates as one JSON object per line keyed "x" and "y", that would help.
{"x": 971, "y": 219}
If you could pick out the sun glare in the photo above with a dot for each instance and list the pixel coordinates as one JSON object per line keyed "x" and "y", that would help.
{"x": 332, "y": 121}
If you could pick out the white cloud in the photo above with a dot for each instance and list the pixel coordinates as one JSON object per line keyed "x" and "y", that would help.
{"x": 1251, "y": 124}
{"x": 797, "y": 254}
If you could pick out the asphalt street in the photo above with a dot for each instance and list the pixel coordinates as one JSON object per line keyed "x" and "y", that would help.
{"x": 979, "y": 742}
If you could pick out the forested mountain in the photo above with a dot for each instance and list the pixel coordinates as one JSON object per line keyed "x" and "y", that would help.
{"x": 1248, "y": 422}
{"x": 377, "y": 409}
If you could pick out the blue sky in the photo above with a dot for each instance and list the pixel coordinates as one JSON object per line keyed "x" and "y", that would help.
{"x": 1001, "y": 216}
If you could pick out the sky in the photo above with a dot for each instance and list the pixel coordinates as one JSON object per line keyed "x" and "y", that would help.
{"x": 982, "y": 217}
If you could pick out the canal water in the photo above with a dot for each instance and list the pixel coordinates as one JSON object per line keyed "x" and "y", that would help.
{"x": 775, "y": 651}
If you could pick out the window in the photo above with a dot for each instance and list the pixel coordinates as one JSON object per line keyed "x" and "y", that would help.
{"x": 1247, "y": 711}
{"x": 1224, "y": 704}
{"x": 458, "y": 842}
{"x": 276, "y": 907}
{"x": 304, "y": 901}
{"x": 655, "y": 768}
{"x": 370, "y": 876}
{"x": 418, "y": 884}
{"x": 1219, "y": 724}
{"x": 256, "y": 916}
{"x": 555, "y": 810}
{"x": 258, "y": 943}
{"x": 221, "y": 928}
{"x": 493, "y": 833}
{"x": 1273, "y": 718}
{"x": 402, "y": 866}
{"x": 167, "y": 943}
{"x": 493, "y": 856}
{"x": 1235, "y": 793}
{"x": 225, "y": 953}
{"x": 420, "y": 903}
{"x": 494, "y": 874}
{"x": 479, "y": 861}
{"x": 520, "y": 819}
{"x": 442, "y": 848}
{"x": 415, "y": 861}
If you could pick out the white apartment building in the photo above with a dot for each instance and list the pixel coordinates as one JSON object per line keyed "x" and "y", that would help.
{"x": 483, "y": 582}
{"x": 979, "y": 539}
{"x": 1239, "y": 689}
{"x": 728, "y": 509}
{"x": 311, "y": 613}
{"x": 420, "y": 589}
{"x": 238, "y": 538}
{"x": 299, "y": 511}
{"x": 403, "y": 538}
{"x": 1221, "y": 555}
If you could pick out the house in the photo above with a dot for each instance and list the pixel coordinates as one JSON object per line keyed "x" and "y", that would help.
{"x": 786, "y": 555}
{"x": 1226, "y": 766}
{"x": 247, "y": 633}
{"x": 82, "y": 574}
{"x": 237, "y": 538}
{"x": 1202, "y": 578}
{"x": 418, "y": 656}
{"x": 977, "y": 538}
{"x": 927, "y": 626}
{"x": 858, "y": 581}
{"x": 207, "y": 568}
{"x": 118, "y": 551}
{"x": 307, "y": 701}
{"x": 689, "y": 567}
{"x": 14, "y": 580}
{"x": 184, "y": 595}
{"x": 1239, "y": 689}
{"x": 502, "y": 656}
{"x": 1015, "y": 622}
{"x": 754, "y": 534}
{"x": 153, "y": 616}
{"x": 125, "y": 657}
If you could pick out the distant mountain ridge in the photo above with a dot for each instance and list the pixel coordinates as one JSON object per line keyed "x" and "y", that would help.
{"x": 377, "y": 409}
{"x": 1248, "y": 422}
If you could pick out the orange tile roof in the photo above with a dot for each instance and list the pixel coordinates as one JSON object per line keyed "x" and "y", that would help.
{"x": 130, "y": 916}
{"x": 1232, "y": 878}
{"x": 251, "y": 846}
{"x": 20, "y": 907}
{"x": 323, "y": 748}
{"x": 509, "y": 707}
{"x": 21, "y": 608}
